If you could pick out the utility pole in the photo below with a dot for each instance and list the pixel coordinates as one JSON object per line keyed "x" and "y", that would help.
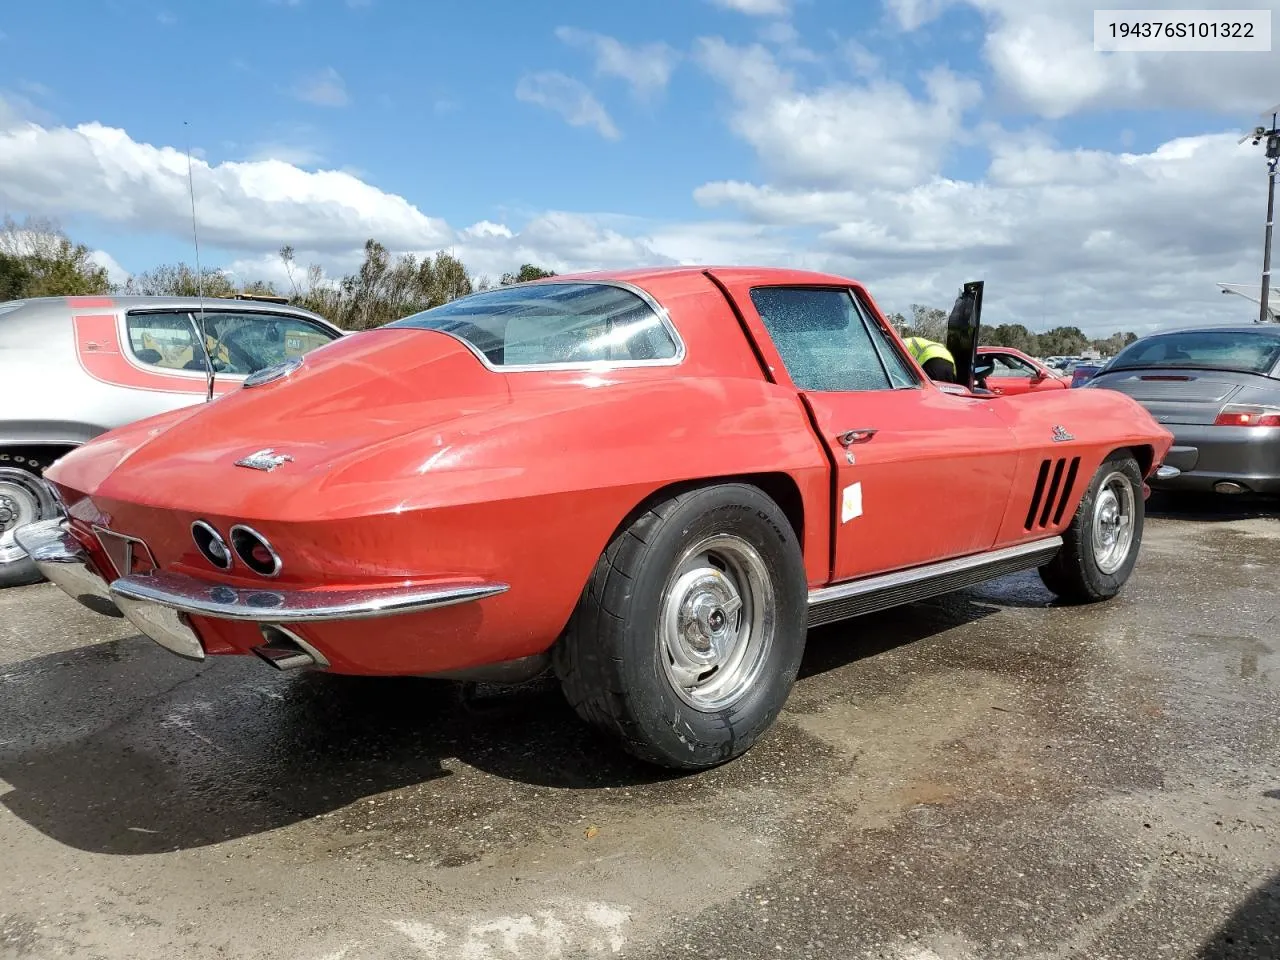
{"x": 1272, "y": 137}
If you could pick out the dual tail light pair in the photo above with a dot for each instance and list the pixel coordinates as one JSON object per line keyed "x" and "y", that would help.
{"x": 247, "y": 544}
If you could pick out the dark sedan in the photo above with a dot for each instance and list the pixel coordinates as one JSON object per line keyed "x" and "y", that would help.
{"x": 1218, "y": 390}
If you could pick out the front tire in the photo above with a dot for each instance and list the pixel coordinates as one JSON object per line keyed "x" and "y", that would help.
{"x": 1100, "y": 547}
{"x": 688, "y": 637}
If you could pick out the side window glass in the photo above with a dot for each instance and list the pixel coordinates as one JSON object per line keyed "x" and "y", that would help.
{"x": 244, "y": 343}
{"x": 890, "y": 353}
{"x": 164, "y": 340}
{"x": 1007, "y": 365}
{"x": 822, "y": 338}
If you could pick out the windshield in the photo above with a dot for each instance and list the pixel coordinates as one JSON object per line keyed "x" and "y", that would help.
{"x": 1244, "y": 351}
{"x": 546, "y": 324}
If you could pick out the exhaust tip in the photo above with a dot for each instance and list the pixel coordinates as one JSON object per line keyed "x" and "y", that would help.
{"x": 1229, "y": 486}
{"x": 255, "y": 551}
{"x": 285, "y": 650}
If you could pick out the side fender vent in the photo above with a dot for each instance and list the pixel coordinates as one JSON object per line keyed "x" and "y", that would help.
{"x": 1054, "y": 485}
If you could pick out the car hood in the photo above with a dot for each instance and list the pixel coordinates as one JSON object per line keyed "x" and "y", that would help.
{"x": 1180, "y": 395}
{"x": 347, "y": 405}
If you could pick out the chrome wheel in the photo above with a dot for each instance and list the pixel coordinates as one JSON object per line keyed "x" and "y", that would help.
{"x": 1113, "y": 519}
{"x": 717, "y": 622}
{"x": 24, "y": 498}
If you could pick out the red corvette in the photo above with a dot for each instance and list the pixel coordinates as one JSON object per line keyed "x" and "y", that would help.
{"x": 652, "y": 481}
{"x": 1013, "y": 372}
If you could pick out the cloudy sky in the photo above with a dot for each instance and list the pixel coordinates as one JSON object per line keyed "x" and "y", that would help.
{"x": 913, "y": 144}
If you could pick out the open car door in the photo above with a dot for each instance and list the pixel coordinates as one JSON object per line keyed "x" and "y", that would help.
{"x": 962, "y": 337}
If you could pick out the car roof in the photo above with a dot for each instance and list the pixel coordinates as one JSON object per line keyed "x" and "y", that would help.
{"x": 640, "y": 275}
{"x": 110, "y": 302}
{"x": 1270, "y": 328}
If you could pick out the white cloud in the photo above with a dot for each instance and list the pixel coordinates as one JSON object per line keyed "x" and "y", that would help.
{"x": 115, "y": 272}
{"x": 569, "y": 98}
{"x": 783, "y": 35}
{"x": 325, "y": 88}
{"x": 297, "y": 154}
{"x": 1041, "y": 52}
{"x": 841, "y": 134}
{"x": 1102, "y": 240}
{"x": 756, "y": 8}
{"x": 100, "y": 171}
{"x": 647, "y": 68}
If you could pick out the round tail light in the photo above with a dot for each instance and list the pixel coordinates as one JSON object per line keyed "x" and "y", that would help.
{"x": 211, "y": 545}
{"x": 254, "y": 551}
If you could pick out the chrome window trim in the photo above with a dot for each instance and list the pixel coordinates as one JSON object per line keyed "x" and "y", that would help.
{"x": 278, "y": 564}
{"x": 586, "y": 365}
{"x": 885, "y": 339}
{"x": 211, "y": 529}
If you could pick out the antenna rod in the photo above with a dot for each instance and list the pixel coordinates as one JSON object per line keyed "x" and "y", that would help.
{"x": 204, "y": 331}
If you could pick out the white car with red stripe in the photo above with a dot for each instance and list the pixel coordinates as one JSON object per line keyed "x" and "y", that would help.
{"x": 72, "y": 368}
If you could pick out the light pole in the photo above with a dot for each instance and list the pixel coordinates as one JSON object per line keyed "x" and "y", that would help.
{"x": 1272, "y": 137}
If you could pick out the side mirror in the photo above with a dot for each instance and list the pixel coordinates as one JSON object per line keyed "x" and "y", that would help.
{"x": 1038, "y": 376}
{"x": 983, "y": 368}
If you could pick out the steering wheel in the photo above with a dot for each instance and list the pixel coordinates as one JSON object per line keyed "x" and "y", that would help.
{"x": 239, "y": 356}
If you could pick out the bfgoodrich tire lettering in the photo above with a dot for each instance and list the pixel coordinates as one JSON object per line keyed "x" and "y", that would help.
{"x": 1100, "y": 547}
{"x": 688, "y": 636}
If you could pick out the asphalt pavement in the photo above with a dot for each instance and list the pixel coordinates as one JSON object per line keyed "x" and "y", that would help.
{"x": 980, "y": 777}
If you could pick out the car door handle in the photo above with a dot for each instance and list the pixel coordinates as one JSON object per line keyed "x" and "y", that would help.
{"x": 861, "y": 435}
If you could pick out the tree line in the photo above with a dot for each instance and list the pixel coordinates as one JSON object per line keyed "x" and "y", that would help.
{"x": 38, "y": 260}
{"x": 931, "y": 323}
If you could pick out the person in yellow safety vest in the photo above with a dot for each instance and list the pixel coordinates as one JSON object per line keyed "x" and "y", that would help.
{"x": 934, "y": 358}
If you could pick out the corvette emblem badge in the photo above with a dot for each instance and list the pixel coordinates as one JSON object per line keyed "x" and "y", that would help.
{"x": 266, "y": 460}
{"x": 1059, "y": 435}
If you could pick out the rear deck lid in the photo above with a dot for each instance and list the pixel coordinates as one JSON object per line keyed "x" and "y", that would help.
{"x": 1176, "y": 396}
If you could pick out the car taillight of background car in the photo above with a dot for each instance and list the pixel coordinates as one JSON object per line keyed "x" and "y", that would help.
{"x": 1247, "y": 415}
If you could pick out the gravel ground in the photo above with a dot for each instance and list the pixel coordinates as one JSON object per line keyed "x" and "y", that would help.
{"x": 981, "y": 777}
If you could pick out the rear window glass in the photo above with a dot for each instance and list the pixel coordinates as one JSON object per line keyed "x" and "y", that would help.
{"x": 1239, "y": 350}
{"x": 554, "y": 323}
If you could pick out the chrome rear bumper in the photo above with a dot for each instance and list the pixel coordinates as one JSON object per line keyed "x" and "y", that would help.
{"x": 159, "y": 603}
{"x": 61, "y": 559}
{"x": 200, "y": 598}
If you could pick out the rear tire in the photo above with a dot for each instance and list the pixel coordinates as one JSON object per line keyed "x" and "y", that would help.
{"x": 1100, "y": 547}
{"x": 688, "y": 637}
{"x": 24, "y": 498}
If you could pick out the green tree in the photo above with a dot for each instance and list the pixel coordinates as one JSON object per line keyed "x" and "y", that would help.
{"x": 14, "y": 277}
{"x": 382, "y": 289}
{"x": 928, "y": 322}
{"x": 1062, "y": 341}
{"x": 526, "y": 273}
{"x": 1013, "y": 335}
{"x": 179, "y": 280}
{"x": 40, "y": 261}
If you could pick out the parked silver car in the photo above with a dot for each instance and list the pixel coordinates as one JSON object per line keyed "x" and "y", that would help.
{"x": 1218, "y": 390}
{"x": 96, "y": 363}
